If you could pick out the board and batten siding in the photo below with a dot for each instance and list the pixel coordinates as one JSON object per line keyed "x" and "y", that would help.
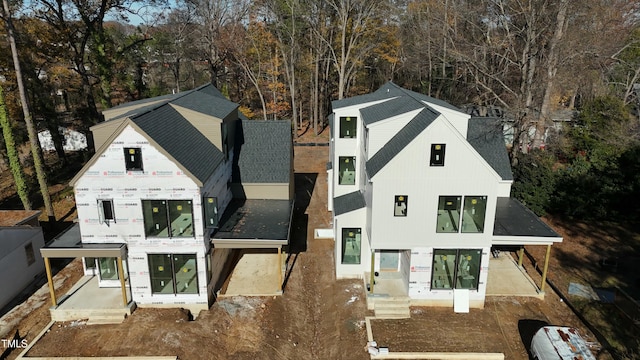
{"x": 382, "y": 131}
{"x": 409, "y": 173}
{"x": 17, "y": 271}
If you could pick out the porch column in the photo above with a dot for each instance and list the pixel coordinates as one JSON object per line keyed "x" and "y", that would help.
{"x": 280, "y": 266}
{"x": 373, "y": 270}
{"x": 122, "y": 284}
{"x": 52, "y": 290}
{"x": 546, "y": 267}
{"x": 520, "y": 256}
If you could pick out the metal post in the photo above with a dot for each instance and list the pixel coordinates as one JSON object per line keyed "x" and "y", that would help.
{"x": 520, "y": 256}
{"x": 52, "y": 291}
{"x": 373, "y": 270}
{"x": 122, "y": 285}
{"x": 546, "y": 267}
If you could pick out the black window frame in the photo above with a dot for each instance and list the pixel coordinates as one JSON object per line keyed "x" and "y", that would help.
{"x": 343, "y": 128}
{"x": 456, "y": 275}
{"x": 345, "y": 233}
{"x": 437, "y": 154}
{"x": 165, "y": 211}
{"x": 133, "y": 160}
{"x": 30, "y": 253}
{"x": 172, "y": 268}
{"x": 211, "y": 215}
{"x": 400, "y": 205}
{"x": 106, "y": 211}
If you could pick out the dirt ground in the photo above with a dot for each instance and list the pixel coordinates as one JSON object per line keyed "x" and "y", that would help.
{"x": 317, "y": 317}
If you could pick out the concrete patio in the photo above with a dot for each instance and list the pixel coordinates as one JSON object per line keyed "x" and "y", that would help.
{"x": 506, "y": 278}
{"x": 86, "y": 300}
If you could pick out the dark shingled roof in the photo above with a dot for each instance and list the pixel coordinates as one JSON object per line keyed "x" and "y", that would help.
{"x": 181, "y": 140}
{"x": 400, "y": 140}
{"x": 387, "y": 91}
{"x": 263, "y": 151}
{"x": 485, "y": 135}
{"x": 348, "y": 202}
{"x": 206, "y": 103}
{"x": 515, "y": 219}
{"x": 390, "y": 108}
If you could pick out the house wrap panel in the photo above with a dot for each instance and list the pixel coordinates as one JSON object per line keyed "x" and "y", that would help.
{"x": 108, "y": 179}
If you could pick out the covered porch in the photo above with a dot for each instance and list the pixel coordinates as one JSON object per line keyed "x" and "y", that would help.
{"x": 257, "y": 233}
{"x": 87, "y": 300}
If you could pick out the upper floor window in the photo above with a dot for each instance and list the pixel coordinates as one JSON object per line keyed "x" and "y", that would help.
{"x": 211, "y": 212}
{"x": 351, "y": 244}
{"x": 348, "y": 126}
{"x": 133, "y": 159}
{"x": 451, "y": 214}
{"x": 473, "y": 213}
{"x": 168, "y": 218}
{"x": 448, "y": 214}
{"x": 400, "y": 208}
{"x": 105, "y": 211}
{"x": 437, "y": 154}
{"x": 347, "y": 170}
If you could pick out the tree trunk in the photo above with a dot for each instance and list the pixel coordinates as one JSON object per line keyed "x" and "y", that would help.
{"x": 552, "y": 68}
{"x": 38, "y": 163}
{"x": 14, "y": 161}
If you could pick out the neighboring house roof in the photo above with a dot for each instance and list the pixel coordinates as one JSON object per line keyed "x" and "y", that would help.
{"x": 17, "y": 217}
{"x": 382, "y": 111}
{"x": 398, "y": 142}
{"x": 515, "y": 219}
{"x": 264, "y": 153}
{"x": 485, "y": 135}
{"x": 181, "y": 140}
{"x": 348, "y": 202}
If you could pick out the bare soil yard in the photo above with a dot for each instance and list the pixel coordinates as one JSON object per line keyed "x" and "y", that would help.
{"x": 317, "y": 317}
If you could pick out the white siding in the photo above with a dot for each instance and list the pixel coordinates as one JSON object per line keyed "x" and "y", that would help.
{"x": 409, "y": 173}
{"x": 459, "y": 120}
{"x": 17, "y": 272}
{"x": 382, "y": 131}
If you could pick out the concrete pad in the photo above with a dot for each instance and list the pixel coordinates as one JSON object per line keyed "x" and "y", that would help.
{"x": 506, "y": 278}
{"x": 255, "y": 274}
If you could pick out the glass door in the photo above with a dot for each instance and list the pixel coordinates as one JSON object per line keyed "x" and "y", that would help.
{"x": 389, "y": 260}
{"x": 108, "y": 272}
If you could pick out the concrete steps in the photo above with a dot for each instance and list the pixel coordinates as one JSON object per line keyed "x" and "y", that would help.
{"x": 396, "y": 307}
{"x": 93, "y": 316}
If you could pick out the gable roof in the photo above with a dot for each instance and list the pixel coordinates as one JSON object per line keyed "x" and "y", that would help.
{"x": 486, "y": 137}
{"x": 382, "y": 111}
{"x": 263, "y": 151}
{"x": 177, "y": 138}
{"x": 348, "y": 202}
{"x": 181, "y": 140}
{"x": 398, "y": 142}
{"x": 387, "y": 91}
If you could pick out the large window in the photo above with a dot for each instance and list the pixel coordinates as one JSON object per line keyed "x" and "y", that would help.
{"x": 168, "y": 218}
{"x": 348, "y": 126}
{"x": 448, "y": 214}
{"x": 173, "y": 273}
{"x": 456, "y": 268}
{"x": 473, "y": 214}
{"x": 351, "y": 241}
{"x": 133, "y": 159}
{"x": 451, "y": 214}
{"x": 347, "y": 170}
